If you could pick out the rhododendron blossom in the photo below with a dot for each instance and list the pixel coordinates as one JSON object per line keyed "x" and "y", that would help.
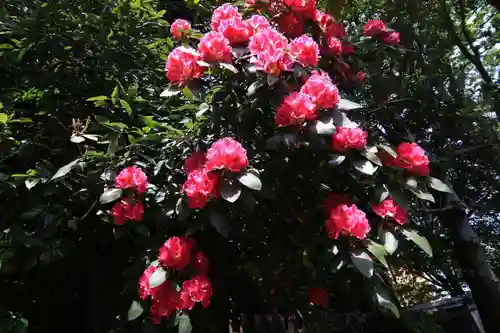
{"x": 257, "y": 23}
{"x": 389, "y": 209}
{"x": 222, "y": 13}
{"x": 268, "y": 48}
{"x": 182, "y": 65}
{"x": 214, "y": 47}
{"x": 164, "y": 301}
{"x": 374, "y": 28}
{"x": 390, "y": 37}
{"x": 349, "y": 138}
{"x": 412, "y": 158}
{"x": 200, "y": 186}
{"x": 304, "y": 8}
{"x": 227, "y": 153}
{"x": 290, "y": 25}
{"x": 179, "y": 28}
{"x": 347, "y": 220}
{"x": 235, "y": 30}
{"x": 133, "y": 178}
{"x": 126, "y": 210}
{"x": 328, "y": 26}
{"x": 175, "y": 253}
{"x": 144, "y": 289}
{"x": 334, "y": 46}
{"x": 194, "y": 161}
{"x": 197, "y": 289}
{"x": 201, "y": 263}
{"x": 318, "y": 296}
{"x": 295, "y": 110}
{"x": 321, "y": 90}
{"x": 305, "y": 51}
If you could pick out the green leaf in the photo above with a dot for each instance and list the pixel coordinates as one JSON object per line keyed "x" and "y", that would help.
{"x": 170, "y": 91}
{"x": 272, "y": 80}
{"x": 384, "y": 298}
{"x": 184, "y": 323}
{"x": 419, "y": 240}
{"x": 439, "y": 185}
{"x": 157, "y": 278}
{"x": 363, "y": 262}
{"x": 126, "y": 106}
{"x": 188, "y": 94}
{"x": 380, "y": 194}
{"x": 424, "y": 195}
{"x": 365, "y": 167}
{"x": 323, "y": 126}
{"x": 75, "y": 138}
{"x": 336, "y": 159}
{"x": 251, "y": 181}
{"x": 254, "y": 87}
{"x": 97, "y": 98}
{"x": 219, "y": 222}
{"x": 337, "y": 263}
{"x": 229, "y": 67}
{"x": 63, "y": 171}
{"x": 30, "y": 183}
{"x": 135, "y": 310}
{"x": 371, "y": 154}
{"x": 230, "y": 190}
{"x": 378, "y": 251}
{"x": 110, "y": 195}
{"x": 114, "y": 95}
{"x": 3, "y": 118}
{"x": 345, "y": 104}
{"x": 389, "y": 240}
{"x": 388, "y": 149}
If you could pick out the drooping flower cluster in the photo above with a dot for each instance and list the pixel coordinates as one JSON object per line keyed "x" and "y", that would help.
{"x": 349, "y": 138}
{"x": 176, "y": 254}
{"x": 130, "y": 208}
{"x": 202, "y": 183}
{"x": 410, "y": 156}
{"x": 318, "y": 92}
{"x": 391, "y": 210}
{"x": 345, "y": 218}
{"x": 377, "y": 28}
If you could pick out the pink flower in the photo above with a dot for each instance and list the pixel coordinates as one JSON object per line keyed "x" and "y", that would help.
{"x": 328, "y": 25}
{"x": 303, "y": 8}
{"x": 214, "y": 47}
{"x": 290, "y": 25}
{"x": 305, "y": 51}
{"x": 227, "y": 153}
{"x": 347, "y": 220}
{"x": 412, "y": 158}
{"x": 361, "y": 76}
{"x": 194, "y": 161}
{"x": 257, "y": 23}
{"x": 349, "y": 138}
{"x": 132, "y": 177}
{"x": 267, "y": 39}
{"x": 389, "y": 209}
{"x": 179, "y": 28}
{"x": 348, "y": 49}
{"x": 295, "y": 110}
{"x": 175, "y": 253}
{"x": 374, "y": 28}
{"x": 235, "y": 30}
{"x": 198, "y": 289}
{"x": 390, "y": 37}
{"x": 201, "y": 263}
{"x": 200, "y": 187}
{"x": 321, "y": 90}
{"x": 222, "y": 13}
{"x": 334, "y": 46}
{"x": 125, "y": 210}
{"x": 164, "y": 301}
{"x": 144, "y": 289}
{"x": 318, "y": 296}
{"x": 268, "y": 48}
{"x": 182, "y": 65}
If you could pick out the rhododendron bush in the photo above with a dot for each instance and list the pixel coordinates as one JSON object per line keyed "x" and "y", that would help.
{"x": 280, "y": 162}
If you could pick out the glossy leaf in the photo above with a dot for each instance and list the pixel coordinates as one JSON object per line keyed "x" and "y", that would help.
{"x": 363, "y": 262}
{"x": 384, "y": 298}
{"x": 110, "y": 195}
{"x": 135, "y": 310}
{"x": 230, "y": 190}
{"x": 389, "y": 240}
{"x": 378, "y": 251}
{"x": 251, "y": 181}
{"x": 365, "y": 167}
{"x": 219, "y": 222}
{"x": 63, "y": 171}
{"x": 157, "y": 278}
{"x": 419, "y": 240}
{"x": 439, "y": 185}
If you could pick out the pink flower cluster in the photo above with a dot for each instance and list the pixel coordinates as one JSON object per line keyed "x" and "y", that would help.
{"x": 176, "y": 254}
{"x": 318, "y": 92}
{"x": 378, "y": 28}
{"x": 344, "y": 218}
{"x": 202, "y": 183}
{"x": 390, "y": 209}
{"x": 128, "y": 208}
{"x": 410, "y": 156}
{"x": 179, "y": 28}
{"x": 349, "y": 138}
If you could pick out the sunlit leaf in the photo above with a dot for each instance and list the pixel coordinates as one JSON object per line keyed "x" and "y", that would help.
{"x": 419, "y": 240}
{"x": 363, "y": 262}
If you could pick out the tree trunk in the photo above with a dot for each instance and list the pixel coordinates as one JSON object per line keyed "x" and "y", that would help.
{"x": 484, "y": 285}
